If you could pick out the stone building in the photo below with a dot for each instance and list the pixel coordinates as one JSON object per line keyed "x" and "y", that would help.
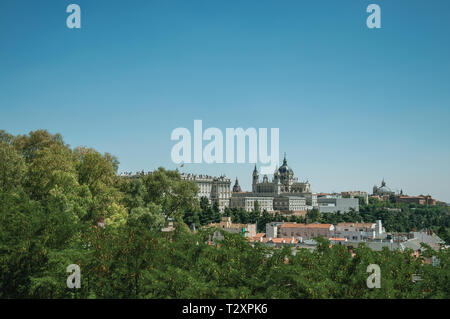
{"x": 383, "y": 190}
{"x": 215, "y": 189}
{"x": 421, "y": 200}
{"x": 246, "y": 201}
{"x": 360, "y": 231}
{"x": 283, "y": 183}
{"x": 283, "y": 193}
{"x": 289, "y": 203}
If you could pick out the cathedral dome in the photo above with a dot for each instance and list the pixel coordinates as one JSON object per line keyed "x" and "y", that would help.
{"x": 236, "y": 187}
{"x": 384, "y": 190}
{"x": 285, "y": 168}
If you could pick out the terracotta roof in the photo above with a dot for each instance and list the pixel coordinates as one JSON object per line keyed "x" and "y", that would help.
{"x": 338, "y": 239}
{"x": 293, "y": 212}
{"x": 413, "y": 197}
{"x": 287, "y": 240}
{"x": 294, "y": 225}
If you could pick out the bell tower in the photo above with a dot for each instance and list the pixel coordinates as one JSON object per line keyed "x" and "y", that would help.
{"x": 255, "y": 179}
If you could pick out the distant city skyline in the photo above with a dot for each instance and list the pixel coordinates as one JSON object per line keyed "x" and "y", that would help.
{"x": 353, "y": 105}
{"x": 246, "y": 181}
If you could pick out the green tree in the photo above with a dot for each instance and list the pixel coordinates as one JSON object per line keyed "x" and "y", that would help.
{"x": 12, "y": 167}
{"x": 313, "y": 216}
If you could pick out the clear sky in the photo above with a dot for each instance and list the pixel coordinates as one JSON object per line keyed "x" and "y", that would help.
{"x": 354, "y": 105}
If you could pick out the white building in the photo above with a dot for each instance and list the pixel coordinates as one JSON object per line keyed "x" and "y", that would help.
{"x": 215, "y": 189}
{"x": 289, "y": 203}
{"x": 247, "y": 201}
{"x": 360, "y": 231}
{"x": 334, "y": 204}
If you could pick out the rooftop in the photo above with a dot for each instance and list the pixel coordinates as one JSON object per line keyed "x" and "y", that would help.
{"x": 363, "y": 225}
{"x": 338, "y": 239}
{"x": 295, "y": 225}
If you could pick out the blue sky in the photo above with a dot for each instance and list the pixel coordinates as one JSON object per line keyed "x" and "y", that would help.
{"x": 353, "y": 104}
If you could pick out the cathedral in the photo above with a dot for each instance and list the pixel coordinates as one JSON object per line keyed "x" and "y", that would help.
{"x": 382, "y": 190}
{"x": 283, "y": 193}
{"x": 283, "y": 182}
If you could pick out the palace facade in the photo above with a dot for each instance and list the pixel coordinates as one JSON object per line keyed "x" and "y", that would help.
{"x": 215, "y": 189}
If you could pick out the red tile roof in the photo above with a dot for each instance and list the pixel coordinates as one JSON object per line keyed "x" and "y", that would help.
{"x": 287, "y": 240}
{"x": 295, "y": 225}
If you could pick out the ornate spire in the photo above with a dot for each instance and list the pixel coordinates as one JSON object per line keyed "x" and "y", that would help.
{"x": 236, "y": 187}
{"x": 255, "y": 171}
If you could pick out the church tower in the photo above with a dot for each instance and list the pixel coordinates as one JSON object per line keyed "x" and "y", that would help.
{"x": 255, "y": 179}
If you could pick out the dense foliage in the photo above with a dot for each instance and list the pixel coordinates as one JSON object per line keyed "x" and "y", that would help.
{"x": 62, "y": 206}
